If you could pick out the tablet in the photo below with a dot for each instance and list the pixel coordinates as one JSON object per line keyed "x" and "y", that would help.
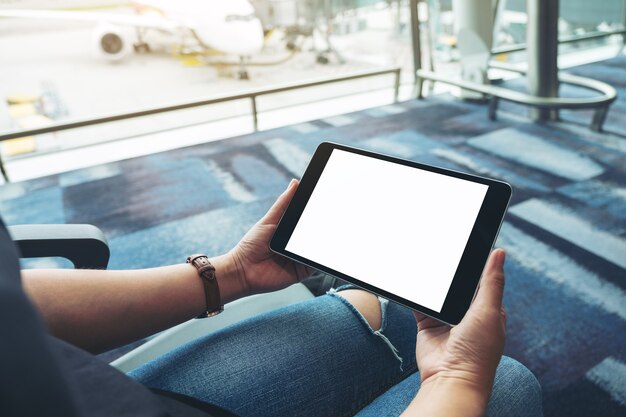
{"x": 416, "y": 234}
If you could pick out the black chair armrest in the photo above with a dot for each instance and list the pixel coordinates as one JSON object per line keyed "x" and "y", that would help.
{"x": 83, "y": 244}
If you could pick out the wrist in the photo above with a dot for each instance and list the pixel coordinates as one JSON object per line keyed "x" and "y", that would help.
{"x": 232, "y": 284}
{"x": 447, "y": 394}
{"x": 462, "y": 380}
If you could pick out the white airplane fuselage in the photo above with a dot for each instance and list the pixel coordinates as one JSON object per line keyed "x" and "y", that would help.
{"x": 228, "y": 26}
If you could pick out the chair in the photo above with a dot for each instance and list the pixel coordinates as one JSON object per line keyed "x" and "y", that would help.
{"x": 83, "y": 244}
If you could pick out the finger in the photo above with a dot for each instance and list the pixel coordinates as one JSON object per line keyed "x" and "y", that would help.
{"x": 424, "y": 322}
{"x": 492, "y": 284}
{"x": 419, "y": 316}
{"x": 275, "y": 212}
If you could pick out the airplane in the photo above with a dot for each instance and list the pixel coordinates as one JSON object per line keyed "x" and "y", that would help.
{"x": 229, "y": 27}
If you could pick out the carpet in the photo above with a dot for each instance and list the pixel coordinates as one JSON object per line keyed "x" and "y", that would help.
{"x": 565, "y": 231}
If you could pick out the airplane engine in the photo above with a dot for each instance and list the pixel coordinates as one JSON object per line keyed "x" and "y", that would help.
{"x": 113, "y": 42}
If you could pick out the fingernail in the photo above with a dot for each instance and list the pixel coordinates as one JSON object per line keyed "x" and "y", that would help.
{"x": 500, "y": 257}
{"x": 291, "y": 183}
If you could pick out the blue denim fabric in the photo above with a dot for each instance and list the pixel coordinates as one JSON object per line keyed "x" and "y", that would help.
{"x": 319, "y": 357}
{"x": 516, "y": 393}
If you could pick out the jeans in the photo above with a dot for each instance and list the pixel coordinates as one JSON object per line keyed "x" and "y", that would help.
{"x": 319, "y": 357}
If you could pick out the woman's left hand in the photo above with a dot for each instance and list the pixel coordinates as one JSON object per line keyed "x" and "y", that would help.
{"x": 259, "y": 269}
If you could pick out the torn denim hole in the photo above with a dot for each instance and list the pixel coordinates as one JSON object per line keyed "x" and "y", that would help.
{"x": 383, "y": 322}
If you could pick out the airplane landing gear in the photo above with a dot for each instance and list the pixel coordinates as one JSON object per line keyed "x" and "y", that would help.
{"x": 243, "y": 74}
{"x": 141, "y": 47}
{"x": 322, "y": 58}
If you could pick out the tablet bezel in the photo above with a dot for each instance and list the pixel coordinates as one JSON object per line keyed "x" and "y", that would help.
{"x": 469, "y": 270}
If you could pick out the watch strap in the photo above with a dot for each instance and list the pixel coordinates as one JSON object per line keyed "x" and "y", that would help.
{"x": 206, "y": 271}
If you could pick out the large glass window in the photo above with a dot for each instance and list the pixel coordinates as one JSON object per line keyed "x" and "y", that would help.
{"x": 65, "y": 60}
{"x": 579, "y": 20}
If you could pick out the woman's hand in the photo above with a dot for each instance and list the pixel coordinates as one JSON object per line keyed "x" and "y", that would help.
{"x": 259, "y": 270}
{"x": 464, "y": 358}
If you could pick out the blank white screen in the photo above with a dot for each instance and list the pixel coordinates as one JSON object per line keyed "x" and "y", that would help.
{"x": 398, "y": 228}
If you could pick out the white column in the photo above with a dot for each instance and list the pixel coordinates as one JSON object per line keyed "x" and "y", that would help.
{"x": 473, "y": 24}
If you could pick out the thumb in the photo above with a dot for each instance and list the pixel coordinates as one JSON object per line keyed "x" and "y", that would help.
{"x": 275, "y": 212}
{"x": 492, "y": 284}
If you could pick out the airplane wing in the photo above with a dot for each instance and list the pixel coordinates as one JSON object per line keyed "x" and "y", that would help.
{"x": 132, "y": 20}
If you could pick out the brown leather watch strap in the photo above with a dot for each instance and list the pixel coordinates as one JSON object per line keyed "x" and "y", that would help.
{"x": 206, "y": 271}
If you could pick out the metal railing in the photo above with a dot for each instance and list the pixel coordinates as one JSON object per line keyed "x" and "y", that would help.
{"x": 245, "y": 95}
{"x": 519, "y": 47}
{"x": 599, "y": 103}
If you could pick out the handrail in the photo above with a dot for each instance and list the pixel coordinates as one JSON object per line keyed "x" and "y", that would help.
{"x": 608, "y": 93}
{"x": 565, "y": 39}
{"x": 600, "y": 103}
{"x": 250, "y": 94}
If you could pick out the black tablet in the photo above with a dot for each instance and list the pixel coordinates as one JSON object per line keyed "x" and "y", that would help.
{"x": 413, "y": 233}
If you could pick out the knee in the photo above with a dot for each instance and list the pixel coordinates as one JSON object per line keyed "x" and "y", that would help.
{"x": 367, "y": 304}
{"x": 516, "y": 391}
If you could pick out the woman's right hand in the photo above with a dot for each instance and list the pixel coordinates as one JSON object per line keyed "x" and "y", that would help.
{"x": 466, "y": 356}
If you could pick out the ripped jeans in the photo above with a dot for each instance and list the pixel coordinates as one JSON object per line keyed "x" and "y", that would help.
{"x": 319, "y": 357}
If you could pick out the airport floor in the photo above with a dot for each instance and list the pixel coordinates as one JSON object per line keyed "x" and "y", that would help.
{"x": 565, "y": 231}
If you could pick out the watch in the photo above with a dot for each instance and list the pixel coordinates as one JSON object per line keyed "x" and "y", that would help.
{"x": 206, "y": 271}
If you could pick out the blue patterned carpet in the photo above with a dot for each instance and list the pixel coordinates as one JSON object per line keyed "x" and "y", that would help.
{"x": 565, "y": 232}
